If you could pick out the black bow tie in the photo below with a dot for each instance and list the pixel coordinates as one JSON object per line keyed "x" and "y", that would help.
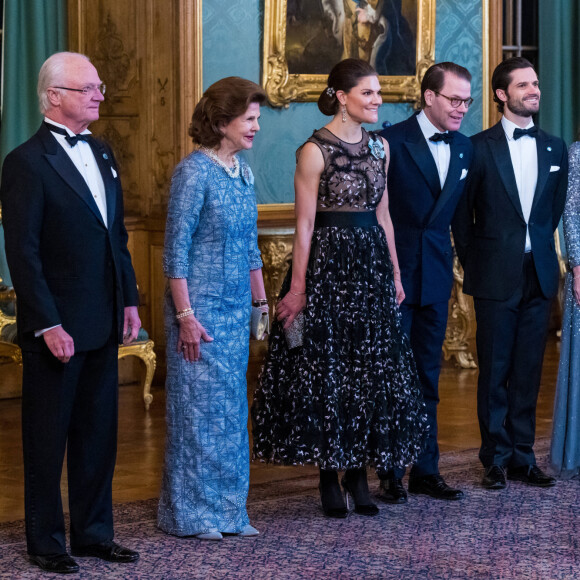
{"x": 445, "y": 137}
{"x": 72, "y": 141}
{"x": 531, "y": 132}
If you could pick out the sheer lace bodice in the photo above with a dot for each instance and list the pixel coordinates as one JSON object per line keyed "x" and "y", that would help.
{"x": 354, "y": 173}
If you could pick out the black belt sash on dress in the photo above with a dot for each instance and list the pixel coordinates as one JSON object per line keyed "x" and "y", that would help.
{"x": 346, "y": 219}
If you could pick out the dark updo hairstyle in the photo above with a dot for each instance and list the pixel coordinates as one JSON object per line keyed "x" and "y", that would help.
{"x": 222, "y": 102}
{"x": 343, "y": 77}
{"x": 434, "y": 77}
{"x": 502, "y": 76}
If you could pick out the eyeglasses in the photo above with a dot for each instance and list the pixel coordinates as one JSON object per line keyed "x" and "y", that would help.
{"x": 455, "y": 102}
{"x": 87, "y": 90}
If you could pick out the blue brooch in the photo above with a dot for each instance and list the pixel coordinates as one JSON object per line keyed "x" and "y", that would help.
{"x": 549, "y": 149}
{"x": 105, "y": 156}
{"x": 377, "y": 148}
{"x": 247, "y": 175}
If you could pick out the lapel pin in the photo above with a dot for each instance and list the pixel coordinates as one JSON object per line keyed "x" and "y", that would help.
{"x": 105, "y": 156}
{"x": 549, "y": 149}
{"x": 461, "y": 156}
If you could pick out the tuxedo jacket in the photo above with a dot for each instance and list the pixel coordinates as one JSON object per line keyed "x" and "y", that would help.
{"x": 490, "y": 229}
{"x": 421, "y": 211}
{"x": 67, "y": 267}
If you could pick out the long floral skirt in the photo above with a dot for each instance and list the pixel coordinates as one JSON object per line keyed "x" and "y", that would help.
{"x": 349, "y": 396}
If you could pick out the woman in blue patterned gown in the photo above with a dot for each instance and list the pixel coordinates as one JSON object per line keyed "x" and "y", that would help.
{"x": 565, "y": 450}
{"x": 213, "y": 266}
{"x": 349, "y": 396}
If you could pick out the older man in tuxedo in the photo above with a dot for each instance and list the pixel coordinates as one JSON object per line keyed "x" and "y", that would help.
{"x": 429, "y": 163}
{"x": 514, "y": 198}
{"x": 66, "y": 246}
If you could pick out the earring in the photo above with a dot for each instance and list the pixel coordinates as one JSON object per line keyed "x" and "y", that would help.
{"x": 344, "y": 113}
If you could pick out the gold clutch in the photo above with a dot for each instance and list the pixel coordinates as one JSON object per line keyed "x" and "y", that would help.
{"x": 259, "y": 323}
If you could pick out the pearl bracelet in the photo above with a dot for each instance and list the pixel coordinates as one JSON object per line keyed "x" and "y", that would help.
{"x": 184, "y": 313}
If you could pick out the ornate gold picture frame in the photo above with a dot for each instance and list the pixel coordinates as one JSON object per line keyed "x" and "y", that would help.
{"x": 284, "y": 85}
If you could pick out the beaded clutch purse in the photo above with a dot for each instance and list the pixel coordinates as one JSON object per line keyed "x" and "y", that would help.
{"x": 295, "y": 332}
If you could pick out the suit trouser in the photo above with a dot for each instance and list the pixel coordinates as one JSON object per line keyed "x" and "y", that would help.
{"x": 70, "y": 406}
{"x": 511, "y": 339}
{"x": 425, "y": 326}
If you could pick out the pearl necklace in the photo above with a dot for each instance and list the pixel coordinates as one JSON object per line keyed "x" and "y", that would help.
{"x": 231, "y": 171}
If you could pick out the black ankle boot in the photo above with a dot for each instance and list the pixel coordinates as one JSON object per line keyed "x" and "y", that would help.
{"x": 355, "y": 485}
{"x": 333, "y": 504}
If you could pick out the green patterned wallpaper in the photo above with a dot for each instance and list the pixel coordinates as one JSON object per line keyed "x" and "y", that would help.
{"x": 232, "y": 45}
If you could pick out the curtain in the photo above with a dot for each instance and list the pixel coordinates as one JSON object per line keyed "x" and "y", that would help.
{"x": 33, "y": 30}
{"x": 559, "y": 67}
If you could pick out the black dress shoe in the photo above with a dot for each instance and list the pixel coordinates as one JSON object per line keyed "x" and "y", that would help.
{"x": 392, "y": 490}
{"x": 532, "y": 475}
{"x": 109, "y": 551}
{"x": 434, "y": 486}
{"x": 494, "y": 477}
{"x": 57, "y": 563}
{"x": 333, "y": 504}
{"x": 356, "y": 488}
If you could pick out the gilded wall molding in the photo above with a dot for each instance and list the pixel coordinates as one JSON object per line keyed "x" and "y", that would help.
{"x": 191, "y": 68}
{"x": 460, "y": 324}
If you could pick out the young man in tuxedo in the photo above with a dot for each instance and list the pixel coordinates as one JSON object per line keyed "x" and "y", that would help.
{"x": 504, "y": 236}
{"x": 427, "y": 171}
{"x": 66, "y": 246}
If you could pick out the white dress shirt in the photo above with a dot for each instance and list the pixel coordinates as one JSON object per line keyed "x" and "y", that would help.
{"x": 84, "y": 160}
{"x": 440, "y": 150}
{"x": 524, "y": 156}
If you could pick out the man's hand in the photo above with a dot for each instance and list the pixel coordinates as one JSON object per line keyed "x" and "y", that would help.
{"x": 60, "y": 343}
{"x": 131, "y": 324}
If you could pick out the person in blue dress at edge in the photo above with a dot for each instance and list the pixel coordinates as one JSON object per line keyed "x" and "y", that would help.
{"x": 565, "y": 449}
{"x": 430, "y": 162}
{"x": 214, "y": 271}
{"x": 349, "y": 396}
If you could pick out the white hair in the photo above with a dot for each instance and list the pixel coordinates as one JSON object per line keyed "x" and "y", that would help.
{"x": 51, "y": 74}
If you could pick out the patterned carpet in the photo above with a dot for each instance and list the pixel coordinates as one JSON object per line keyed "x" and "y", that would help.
{"x": 519, "y": 533}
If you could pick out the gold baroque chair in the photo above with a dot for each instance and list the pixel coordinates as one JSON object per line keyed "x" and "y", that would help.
{"x": 142, "y": 348}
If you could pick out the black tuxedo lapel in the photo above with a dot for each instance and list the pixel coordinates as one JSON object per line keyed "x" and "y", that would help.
{"x": 502, "y": 158}
{"x": 63, "y": 165}
{"x": 457, "y": 153}
{"x": 106, "y": 168}
{"x": 422, "y": 156}
{"x": 542, "y": 144}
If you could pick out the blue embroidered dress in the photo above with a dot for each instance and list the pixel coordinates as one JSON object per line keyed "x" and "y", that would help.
{"x": 211, "y": 240}
{"x": 565, "y": 450}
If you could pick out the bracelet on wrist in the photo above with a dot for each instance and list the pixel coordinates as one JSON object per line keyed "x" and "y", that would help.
{"x": 183, "y": 313}
{"x": 296, "y": 293}
{"x": 260, "y": 302}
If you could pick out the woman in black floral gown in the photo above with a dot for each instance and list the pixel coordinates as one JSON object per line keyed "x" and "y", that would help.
{"x": 348, "y": 397}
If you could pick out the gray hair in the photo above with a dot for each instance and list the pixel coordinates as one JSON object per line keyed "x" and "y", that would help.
{"x": 51, "y": 74}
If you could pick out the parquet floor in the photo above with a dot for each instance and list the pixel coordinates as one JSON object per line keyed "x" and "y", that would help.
{"x": 141, "y": 435}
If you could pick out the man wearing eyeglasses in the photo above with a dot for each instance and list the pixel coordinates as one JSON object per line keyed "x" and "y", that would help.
{"x": 66, "y": 246}
{"x": 505, "y": 241}
{"x": 429, "y": 163}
